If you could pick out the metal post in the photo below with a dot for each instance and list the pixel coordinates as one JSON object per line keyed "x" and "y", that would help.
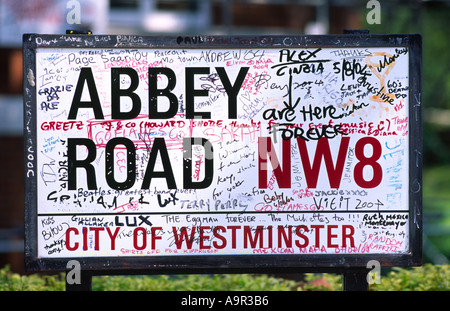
{"x": 84, "y": 284}
{"x": 355, "y": 280}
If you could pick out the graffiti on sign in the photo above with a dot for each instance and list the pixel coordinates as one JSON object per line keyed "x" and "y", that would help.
{"x": 201, "y": 151}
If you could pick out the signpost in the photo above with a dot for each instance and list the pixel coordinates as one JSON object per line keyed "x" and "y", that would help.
{"x": 222, "y": 154}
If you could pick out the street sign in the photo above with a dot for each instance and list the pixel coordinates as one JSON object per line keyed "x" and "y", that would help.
{"x": 208, "y": 152}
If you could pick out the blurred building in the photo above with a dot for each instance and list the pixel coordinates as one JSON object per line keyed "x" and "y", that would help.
{"x": 145, "y": 17}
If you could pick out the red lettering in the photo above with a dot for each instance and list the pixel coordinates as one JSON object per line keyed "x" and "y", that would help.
{"x": 135, "y": 238}
{"x": 368, "y": 161}
{"x": 204, "y": 237}
{"x": 261, "y": 237}
{"x": 334, "y": 170}
{"x": 323, "y": 151}
{"x": 282, "y": 234}
{"x": 154, "y": 236}
{"x": 220, "y": 237}
{"x": 85, "y": 239}
{"x": 331, "y": 236}
{"x": 253, "y": 240}
{"x": 96, "y": 237}
{"x": 299, "y": 233}
{"x": 349, "y": 235}
{"x": 233, "y": 235}
{"x": 61, "y": 125}
{"x": 113, "y": 236}
{"x": 317, "y": 234}
{"x": 283, "y": 176}
{"x": 68, "y": 246}
{"x": 183, "y": 237}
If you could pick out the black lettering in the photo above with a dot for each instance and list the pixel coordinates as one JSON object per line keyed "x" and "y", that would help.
{"x": 154, "y": 93}
{"x": 187, "y": 163}
{"x": 131, "y": 163}
{"x": 232, "y": 90}
{"x": 94, "y": 103}
{"x": 191, "y": 93}
{"x": 117, "y": 92}
{"x": 159, "y": 146}
{"x": 73, "y": 163}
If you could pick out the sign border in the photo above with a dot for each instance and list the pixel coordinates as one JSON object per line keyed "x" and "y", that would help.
{"x": 224, "y": 263}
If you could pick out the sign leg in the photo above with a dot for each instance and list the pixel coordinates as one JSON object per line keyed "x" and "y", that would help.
{"x": 83, "y": 284}
{"x": 355, "y": 280}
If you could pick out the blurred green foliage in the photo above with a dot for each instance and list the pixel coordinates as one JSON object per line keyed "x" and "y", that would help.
{"x": 192, "y": 283}
{"x": 427, "y": 278}
{"x": 430, "y": 19}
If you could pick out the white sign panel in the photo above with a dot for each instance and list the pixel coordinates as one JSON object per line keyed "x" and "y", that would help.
{"x": 157, "y": 151}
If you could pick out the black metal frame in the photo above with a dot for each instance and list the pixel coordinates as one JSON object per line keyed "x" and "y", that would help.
{"x": 336, "y": 263}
